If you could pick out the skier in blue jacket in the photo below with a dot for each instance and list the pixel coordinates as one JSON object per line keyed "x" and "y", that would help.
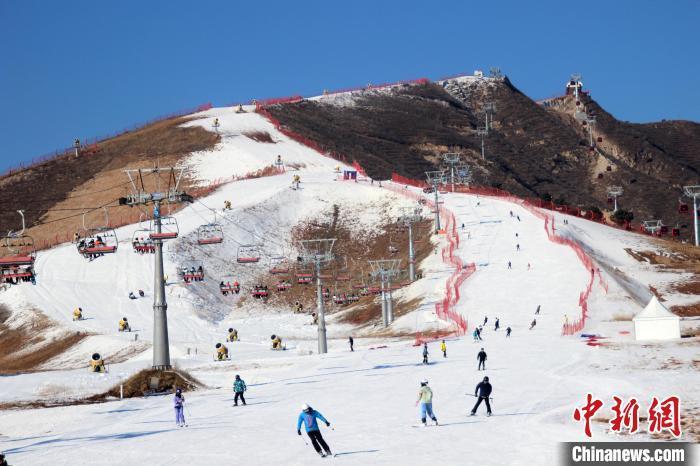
{"x": 179, "y": 404}
{"x": 308, "y": 416}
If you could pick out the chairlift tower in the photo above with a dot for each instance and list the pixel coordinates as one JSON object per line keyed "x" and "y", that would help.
{"x": 318, "y": 252}
{"x": 140, "y": 196}
{"x": 482, "y": 133}
{"x": 590, "y": 122}
{"x": 385, "y": 270}
{"x": 435, "y": 179}
{"x": 409, "y": 216}
{"x": 652, "y": 226}
{"x": 694, "y": 192}
{"x": 451, "y": 159}
{"x": 615, "y": 192}
{"x": 576, "y": 79}
{"x": 76, "y": 146}
{"x": 489, "y": 110}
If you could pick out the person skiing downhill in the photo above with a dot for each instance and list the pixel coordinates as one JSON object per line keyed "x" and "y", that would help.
{"x": 425, "y": 398}
{"x": 508, "y": 330}
{"x": 481, "y": 357}
{"x": 308, "y": 416}
{"x": 443, "y": 348}
{"x": 533, "y": 323}
{"x": 352, "y": 343}
{"x": 238, "y": 388}
{"x": 425, "y": 353}
{"x": 179, "y": 404}
{"x": 497, "y": 325}
{"x": 538, "y": 309}
{"x": 482, "y": 392}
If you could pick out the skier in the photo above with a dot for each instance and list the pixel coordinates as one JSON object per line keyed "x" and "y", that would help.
{"x": 497, "y": 325}
{"x": 478, "y": 333}
{"x": 517, "y": 247}
{"x": 475, "y": 334}
{"x": 78, "y": 313}
{"x": 179, "y": 403}
{"x": 443, "y": 348}
{"x": 3, "y": 461}
{"x": 533, "y": 323}
{"x": 511, "y": 213}
{"x": 508, "y": 330}
{"x": 518, "y": 217}
{"x": 425, "y": 398}
{"x": 238, "y": 388}
{"x": 538, "y": 310}
{"x": 131, "y": 295}
{"x": 481, "y": 357}
{"x": 509, "y": 265}
{"x": 352, "y": 342}
{"x": 425, "y": 353}
{"x": 486, "y": 319}
{"x": 482, "y": 392}
{"x": 141, "y": 293}
{"x": 308, "y": 416}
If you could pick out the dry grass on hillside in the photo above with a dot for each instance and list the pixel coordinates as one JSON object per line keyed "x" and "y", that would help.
{"x": 14, "y": 343}
{"x": 68, "y": 185}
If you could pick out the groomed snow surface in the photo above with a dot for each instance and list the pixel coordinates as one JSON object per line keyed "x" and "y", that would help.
{"x": 368, "y": 395}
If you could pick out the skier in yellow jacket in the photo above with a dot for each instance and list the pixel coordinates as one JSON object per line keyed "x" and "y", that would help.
{"x": 425, "y": 398}
{"x": 443, "y": 348}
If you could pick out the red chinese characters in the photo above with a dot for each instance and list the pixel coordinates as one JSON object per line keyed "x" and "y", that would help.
{"x": 627, "y": 416}
{"x": 589, "y": 410}
{"x": 665, "y": 415}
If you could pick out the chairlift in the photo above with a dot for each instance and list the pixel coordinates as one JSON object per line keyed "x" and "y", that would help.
{"x": 97, "y": 241}
{"x": 17, "y": 256}
{"x": 248, "y": 254}
{"x": 683, "y": 208}
{"x": 283, "y": 285}
{"x": 191, "y": 271}
{"x": 304, "y": 276}
{"x": 168, "y": 229}
{"x": 343, "y": 274}
{"x": 229, "y": 284}
{"x": 211, "y": 233}
{"x": 260, "y": 292}
{"x": 279, "y": 265}
{"x": 141, "y": 240}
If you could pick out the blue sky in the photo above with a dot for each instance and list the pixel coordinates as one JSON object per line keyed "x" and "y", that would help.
{"x": 87, "y": 68}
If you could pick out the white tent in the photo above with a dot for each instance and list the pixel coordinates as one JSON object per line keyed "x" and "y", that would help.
{"x": 655, "y": 322}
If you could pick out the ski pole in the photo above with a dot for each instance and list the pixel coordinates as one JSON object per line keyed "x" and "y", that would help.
{"x": 305, "y": 442}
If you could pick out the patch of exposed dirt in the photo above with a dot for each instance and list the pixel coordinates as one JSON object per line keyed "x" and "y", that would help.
{"x": 691, "y": 310}
{"x": 15, "y": 342}
{"x": 358, "y": 249}
{"x": 260, "y": 136}
{"x": 139, "y": 384}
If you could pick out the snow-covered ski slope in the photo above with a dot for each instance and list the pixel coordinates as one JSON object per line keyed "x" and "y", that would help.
{"x": 368, "y": 395}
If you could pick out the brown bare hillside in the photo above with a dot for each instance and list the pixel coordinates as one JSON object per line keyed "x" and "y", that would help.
{"x": 531, "y": 150}
{"x": 69, "y": 184}
{"x": 25, "y": 348}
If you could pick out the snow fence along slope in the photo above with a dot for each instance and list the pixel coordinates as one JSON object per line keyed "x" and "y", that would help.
{"x": 446, "y": 308}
